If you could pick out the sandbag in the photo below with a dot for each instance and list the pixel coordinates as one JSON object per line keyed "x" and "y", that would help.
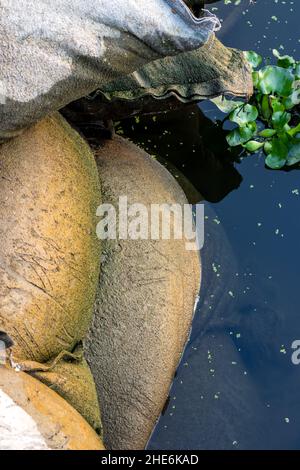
{"x": 144, "y": 305}
{"x": 49, "y": 257}
{"x": 49, "y": 253}
{"x": 165, "y": 85}
{"x": 52, "y": 53}
{"x": 34, "y": 417}
{"x": 69, "y": 375}
{"x": 211, "y": 70}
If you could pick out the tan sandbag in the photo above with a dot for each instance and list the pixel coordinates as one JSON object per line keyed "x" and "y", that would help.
{"x": 49, "y": 256}
{"x": 34, "y": 417}
{"x": 144, "y": 306}
{"x": 69, "y": 375}
{"x": 49, "y": 252}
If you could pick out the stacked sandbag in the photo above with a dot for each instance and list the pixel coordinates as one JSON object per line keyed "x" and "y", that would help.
{"x": 49, "y": 256}
{"x": 144, "y": 305}
{"x": 52, "y": 53}
{"x": 167, "y": 84}
{"x": 208, "y": 71}
{"x": 70, "y": 376}
{"x": 34, "y": 417}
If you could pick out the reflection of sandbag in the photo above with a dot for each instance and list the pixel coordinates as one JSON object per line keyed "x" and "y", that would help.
{"x": 69, "y": 375}
{"x": 52, "y": 53}
{"x": 49, "y": 257}
{"x": 49, "y": 253}
{"x": 144, "y": 305}
{"x": 35, "y": 417}
{"x": 209, "y": 71}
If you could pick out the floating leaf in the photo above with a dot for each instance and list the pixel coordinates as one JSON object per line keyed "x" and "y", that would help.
{"x": 280, "y": 119}
{"x": 284, "y": 61}
{"x": 253, "y": 58}
{"x": 274, "y": 79}
{"x": 225, "y": 105}
{"x": 253, "y": 145}
{"x": 278, "y": 156}
{"x": 268, "y": 148}
{"x": 239, "y": 136}
{"x": 265, "y": 107}
{"x": 293, "y": 154}
{"x": 267, "y": 133}
{"x": 292, "y": 100}
{"x": 244, "y": 114}
{"x": 276, "y": 105}
{"x": 295, "y": 130}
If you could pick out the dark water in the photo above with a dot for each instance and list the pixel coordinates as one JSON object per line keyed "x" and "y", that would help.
{"x": 237, "y": 387}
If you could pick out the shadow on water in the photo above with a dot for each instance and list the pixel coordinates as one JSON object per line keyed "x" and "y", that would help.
{"x": 236, "y": 387}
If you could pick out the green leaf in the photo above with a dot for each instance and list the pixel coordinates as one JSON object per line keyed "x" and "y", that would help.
{"x": 253, "y": 58}
{"x": 267, "y": 133}
{"x": 225, "y": 105}
{"x": 255, "y": 78}
{"x": 253, "y": 145}
{"x": 265, "y": 107}
{"x": 280, "y": 119}
{"x": 274, "y": 79}
{"x": 239, "y": 136}
{"x": 294, "y": 130}
{"x": 278, "y": 156}
{"x": 244, "y": 114}
{"x": 292, "y": 100}
{"x": 268, "y": 148}
{"x": 297, "y": 71}
{"x": 276, "y": 105}
{"x": 293, "y": 154}
{"x": 284, "y": 61}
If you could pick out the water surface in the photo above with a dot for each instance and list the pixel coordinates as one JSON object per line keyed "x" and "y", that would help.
{"x": 236, "y": 387}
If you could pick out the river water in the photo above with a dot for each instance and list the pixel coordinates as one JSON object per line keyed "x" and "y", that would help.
{"x": 236, "y": 387}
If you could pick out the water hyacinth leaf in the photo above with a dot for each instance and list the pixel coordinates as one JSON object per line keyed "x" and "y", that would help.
{"x": 297, "y": 71}
{"x": 278, "y": 156}
{"x": 284, "y": 61}
{"x": 267, "y": 147}
{"x": 239, "y": 136}
{"x": 277, "y": 106}
{"x": 265, "y": 107}
{"x": 292, "y": 100}
{"x": 294, "y": 131}
{"x": 253, "y": 145}
{"x": 225, "y": 105}
{"x": 274, "y": 79}
{"x": 244, "y": 114}
{"x": 280, "y": 119}
{"x": 253, "y": 58}
{"x": 252, "y": 126}
{"x": 293, "y": 154}
{"x": 255, "y": 78}
{"x": 267, "y": 133}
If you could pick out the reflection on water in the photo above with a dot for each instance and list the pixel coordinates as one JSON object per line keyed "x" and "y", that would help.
{"x": 236, "y": 387}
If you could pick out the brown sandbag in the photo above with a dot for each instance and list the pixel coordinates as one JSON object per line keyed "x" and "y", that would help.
{"x": 144, "y": 305}
{"x": 69, "y": 375}
{"x": 49, "y": 256}
{"x": 34, "y": 417}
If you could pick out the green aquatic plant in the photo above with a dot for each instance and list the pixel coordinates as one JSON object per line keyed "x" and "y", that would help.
{"x": 269, "y": 121}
